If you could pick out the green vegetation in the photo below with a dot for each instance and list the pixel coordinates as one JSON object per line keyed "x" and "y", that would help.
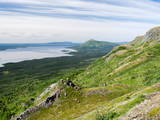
{"x": 100, "y": 115}
{"x": 119, "y": 85}
{"x": 22, "y": 81}
{"x": 97, "y": 44}
{"x": 130, "y": 77}
{"x": 79, "y": 102}
{"x": 155, "y": 112}
{"x": 118, "y": 49}
{"x": 94, "y": 48}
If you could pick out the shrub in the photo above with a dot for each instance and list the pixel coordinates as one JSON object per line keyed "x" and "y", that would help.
{"x": 103, "y": 116}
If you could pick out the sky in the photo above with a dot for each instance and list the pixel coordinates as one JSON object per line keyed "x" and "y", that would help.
{"x": 42, "y": 21}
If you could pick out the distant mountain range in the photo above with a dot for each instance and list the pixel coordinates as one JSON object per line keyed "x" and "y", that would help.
{"x": 64, "y": 43}
{"x": 125, "y": 42}
{"x": 97, "y": 44}
{"x": 5, "y": 46}
{"x": 90, "y": 43}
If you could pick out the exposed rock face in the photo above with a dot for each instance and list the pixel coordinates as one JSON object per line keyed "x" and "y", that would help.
{"x": 152, "y": 35}
{"x": 49, "y": 101}
{"x": 26, "y": 113}
{"x": 110, "y": 57}
{"x": 46, "y": 91}
{"x": 118, "y": 52}
{"x": 32, "y": 99}
{"x": 61, "y": 81}
{"x": 68, "y": 82}
{"x": 140, "y": 112}
{"x": 137, "y": 40}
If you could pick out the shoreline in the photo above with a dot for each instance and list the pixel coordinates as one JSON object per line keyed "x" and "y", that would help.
{"x": 50, "y": 52}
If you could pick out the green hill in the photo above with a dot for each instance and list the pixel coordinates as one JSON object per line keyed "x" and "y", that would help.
{"x": 95, "y": 48}
{"x": 123, "y": 85}
{"x": 93, "y": 44}
{"x": 97, "y": 44}
{"x": 22, "y": 82}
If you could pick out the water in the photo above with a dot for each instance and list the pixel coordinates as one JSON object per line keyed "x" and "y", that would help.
{"x": 30, "y": 53}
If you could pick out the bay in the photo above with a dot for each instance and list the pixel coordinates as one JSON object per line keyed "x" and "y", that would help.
{"x": 30, "y": 53}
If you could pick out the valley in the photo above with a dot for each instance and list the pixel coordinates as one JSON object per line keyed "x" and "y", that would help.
{"x": 79, "y": 60}
{"x": 119, "y": 85}
{"x": 25, "y": 80}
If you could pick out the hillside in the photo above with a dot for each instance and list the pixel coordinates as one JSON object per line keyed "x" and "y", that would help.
{"x": 97, "y": 44}
{"x": 94, "y": 44}
{"x": 21, "y": 83}
{"x": 95, "y": 48}
{"x": 123, "y": 85}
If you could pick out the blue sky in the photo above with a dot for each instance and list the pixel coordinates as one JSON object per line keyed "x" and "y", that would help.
{"x": 26, "y": 21}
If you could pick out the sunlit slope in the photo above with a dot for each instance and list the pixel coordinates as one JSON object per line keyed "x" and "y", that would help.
{"x": 117, "y": 86}
{"x": 134, "y": 64}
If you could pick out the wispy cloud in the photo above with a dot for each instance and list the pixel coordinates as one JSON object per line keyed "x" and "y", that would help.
{"x": 76, "y": 20}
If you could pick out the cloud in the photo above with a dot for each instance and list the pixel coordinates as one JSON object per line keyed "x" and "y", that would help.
{"x": 76, "y": 20}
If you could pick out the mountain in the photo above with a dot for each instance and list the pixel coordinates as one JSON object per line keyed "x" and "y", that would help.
{"x": 122, "y": 85}
{"x": 64, "y": 43}
{"x": 95, "y": 48}
{"x": 21, "y": 83}
{"x": 5, "y": 46}
{"x": 90, "y": 44}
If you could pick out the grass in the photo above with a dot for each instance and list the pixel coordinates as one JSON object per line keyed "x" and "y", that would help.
{"x": 136, "y": 77}
{"x": 24, "y": 80}
{"x": 121, "y": 105}
{"x": 128, "y": 77}
{"x": 78, "y": 103}
{"x": 154, "y": 113}
{"x": 134, "y": 73}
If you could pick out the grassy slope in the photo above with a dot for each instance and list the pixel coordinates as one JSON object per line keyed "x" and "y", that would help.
{"x": 132, "y": 70}
{"x": 21, "y": 81}
{"x": 137, "y": 75}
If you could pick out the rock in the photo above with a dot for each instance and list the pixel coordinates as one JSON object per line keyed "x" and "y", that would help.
{"x": 32, "y": 99}
{"x": 77, "y": 88}
{"x": 58, "y": 94}
{"x": 71, "y": 84}
{"x": 61, "y": 81}
{"x": 65, "y": 94}
{"x": 50, "y": 99}
{"x": 24, "y": 105}
{"x": 68, "y": 82}
{"x": 46, "y": 91}
{"x": 110, "y": 57}
{"x": 12, "y": 117}
{"x": 47, "y": 103}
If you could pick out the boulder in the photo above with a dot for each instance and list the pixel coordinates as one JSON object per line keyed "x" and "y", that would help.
{"x": 71, "y": 84}
{"x": 32, "y": 99}
{"x": 50, "y": 99}
{"x": 61, "y": 81}
{"x": 65, "y": 94}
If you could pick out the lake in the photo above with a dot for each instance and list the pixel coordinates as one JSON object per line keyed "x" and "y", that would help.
{"x": 30, "y": 53}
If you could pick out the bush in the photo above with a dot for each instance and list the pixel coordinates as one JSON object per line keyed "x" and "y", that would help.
{"x": 4, "y": 112}
{"x": 103, "y": 116}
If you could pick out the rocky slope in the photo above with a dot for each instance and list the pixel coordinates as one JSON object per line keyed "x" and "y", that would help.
{"x": 122, "y": 85}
